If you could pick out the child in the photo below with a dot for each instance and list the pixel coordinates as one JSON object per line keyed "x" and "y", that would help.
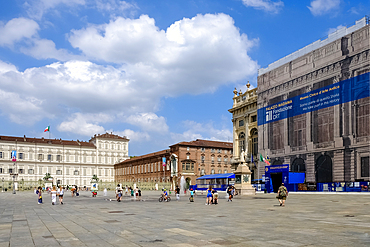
{"x": 191, "y": 195}
{"x": 215, "y": 197}
{"x": 39, "y": 200}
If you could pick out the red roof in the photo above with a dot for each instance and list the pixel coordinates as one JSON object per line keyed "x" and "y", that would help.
{"x": 145, "y": 156}
{"x": 206, "y": 143}
{"x": 42, "y": 140}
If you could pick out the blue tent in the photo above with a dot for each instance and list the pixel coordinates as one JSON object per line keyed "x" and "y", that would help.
{"x": 221, "y": 175}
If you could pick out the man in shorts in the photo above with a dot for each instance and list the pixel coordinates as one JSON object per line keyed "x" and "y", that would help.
{"x": 282, "y": 194}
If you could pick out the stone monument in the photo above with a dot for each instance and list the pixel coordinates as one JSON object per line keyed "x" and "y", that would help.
{"x": 243, "y": 177}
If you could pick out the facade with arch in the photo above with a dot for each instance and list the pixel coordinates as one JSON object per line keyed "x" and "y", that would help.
{"x": 245, "y": 129}
{"x": 314, "y": 108}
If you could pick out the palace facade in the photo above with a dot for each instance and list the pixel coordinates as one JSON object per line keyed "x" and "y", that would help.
{"x": 314, "y": 108}
{"x": 67, "y": 162}
{"x": 245, "y": 129}
{"x": 184, "y": 159}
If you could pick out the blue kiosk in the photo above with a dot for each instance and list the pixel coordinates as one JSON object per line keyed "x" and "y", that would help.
{"x": 277, "y": 174}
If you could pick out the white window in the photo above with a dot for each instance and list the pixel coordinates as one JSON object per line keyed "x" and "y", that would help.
{"x": 212, "y": 150}
{"x": 187, "y": 157}
{"x": 50, "y": 157}
{"x": 20, "y": 156}
{"x": 219, "y": 151}
{"x": 40, "y": 170}
{"x": 1, "y": 155}
{"x": 76, "y": 173}
{"x": 59, "y": 157}
{"x": 213, "y": 171}
{"x": 203, "y": 150}
{"x": 40, "y": 156}
{"x": 59, "y": 172}
{"x": 188, "y": 148}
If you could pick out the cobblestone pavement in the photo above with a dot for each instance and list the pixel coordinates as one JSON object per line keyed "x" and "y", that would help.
{"x": 306, "y": 220}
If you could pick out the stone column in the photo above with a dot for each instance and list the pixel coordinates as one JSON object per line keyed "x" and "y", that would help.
{"x": 309, "y": 142}
{"x": 338, "y": 166}
{"x": 338, "y": 140}
{"x": 310, "y": 168}
{"x": 247, "y": 134}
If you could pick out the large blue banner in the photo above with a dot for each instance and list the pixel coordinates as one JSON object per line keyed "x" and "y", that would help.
{"x": 341, "y": 92}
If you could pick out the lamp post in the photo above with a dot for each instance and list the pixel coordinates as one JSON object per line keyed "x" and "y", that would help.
{"x": 14, "y": 178}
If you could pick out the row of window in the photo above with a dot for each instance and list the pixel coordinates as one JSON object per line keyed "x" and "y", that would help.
{"x": 58, "y": 172}
{"x": 140, "y": 169}
{"x": 112, "y": 146}
{"x": 202, "y": 171}
{"x": 213, "y": 150}
{"x": 219, "y": 159}
{"x": 59, "y": 158}
{"x": 253, "y": 118}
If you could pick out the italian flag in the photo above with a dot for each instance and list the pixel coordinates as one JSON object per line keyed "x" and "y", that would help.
{"x": 264, "y": 160}
{"x": 47, "y": 129}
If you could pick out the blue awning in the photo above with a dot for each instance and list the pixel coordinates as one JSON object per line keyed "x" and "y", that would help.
{"x": 221, "y": 175}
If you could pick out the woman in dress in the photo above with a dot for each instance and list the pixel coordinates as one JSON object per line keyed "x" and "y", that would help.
{"x": 209, "y": 196}
{"x": 53, "y": 193}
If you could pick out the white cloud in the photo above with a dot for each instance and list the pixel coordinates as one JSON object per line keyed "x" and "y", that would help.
{"x": 134, "y": 136}
{"x": 25, "y": 32}
{"x": 265, "y": 5}
{"x": 82, "y": 124}
{"x": 148, "y": 121}
{"x": 192, "y": 56}
{"x": 44, "y": 49}
{"x": 37, "y": 8}
{"x": 16, "y": 30}
{"x": 113, "y": 6}
{"x": 332, "y": 30}
{"x": 196, "y": 130}
{"x": 321, "y": 7}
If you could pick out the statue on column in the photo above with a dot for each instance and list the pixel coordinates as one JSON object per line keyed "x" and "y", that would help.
{"x": 242, "y": 156}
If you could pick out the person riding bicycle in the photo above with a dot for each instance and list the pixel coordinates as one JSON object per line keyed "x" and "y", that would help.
{"x": 165, "y": 194}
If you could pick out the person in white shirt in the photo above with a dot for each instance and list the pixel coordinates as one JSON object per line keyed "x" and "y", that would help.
{"x": 60, "y": 193}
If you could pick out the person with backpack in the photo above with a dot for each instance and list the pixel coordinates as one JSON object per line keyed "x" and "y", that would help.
{"x": 282, "y": 194}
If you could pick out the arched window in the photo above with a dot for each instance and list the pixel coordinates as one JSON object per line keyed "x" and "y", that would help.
{"x": 254, "y": 139}
{"x": 213, "y": 171}
{"x": 363, "y": 117}
{"x": 298, "y": 165}
{"x": 324, "y": 169}
{"x": 241, "y": 142}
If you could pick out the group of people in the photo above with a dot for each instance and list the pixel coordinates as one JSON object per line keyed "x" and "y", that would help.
{"x": 136, "y": 192}
{"x": 54, "y": 193}
{"x": 212, "y": 196}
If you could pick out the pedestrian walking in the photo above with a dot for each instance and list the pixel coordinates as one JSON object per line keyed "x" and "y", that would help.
{"x": 60, "y": 193}
{"x": 230, "y": 193}
{"x": 282, "y": 194}
{"x": 139, "y": 191}
{"x": 39, "y": 196}
{"x": 53, "y": 194}
{"x": 105, "y": 192}
{"x": 126, "y": 190}
{"x": 209, "y": 196}
{"x": 118, "y": 193}
{"x": 177, "y": 191}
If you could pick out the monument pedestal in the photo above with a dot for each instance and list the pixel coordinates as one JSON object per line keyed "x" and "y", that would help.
{"x": 243, "y": 180}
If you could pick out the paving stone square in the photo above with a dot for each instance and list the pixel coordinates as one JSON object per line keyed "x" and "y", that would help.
{"x": 306, "y": 220}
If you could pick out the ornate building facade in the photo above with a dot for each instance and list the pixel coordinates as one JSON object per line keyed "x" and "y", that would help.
{"x": 314, "y": 108}
{"x": 184, "y": 159}
{"x": 245, "y": 129}
{"x": 68, "y": 162}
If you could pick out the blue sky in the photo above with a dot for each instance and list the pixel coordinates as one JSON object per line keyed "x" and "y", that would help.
{"x": 158, "y": 72}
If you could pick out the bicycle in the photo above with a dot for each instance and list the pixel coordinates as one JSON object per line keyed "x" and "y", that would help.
{"x": 161, "y": 199}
